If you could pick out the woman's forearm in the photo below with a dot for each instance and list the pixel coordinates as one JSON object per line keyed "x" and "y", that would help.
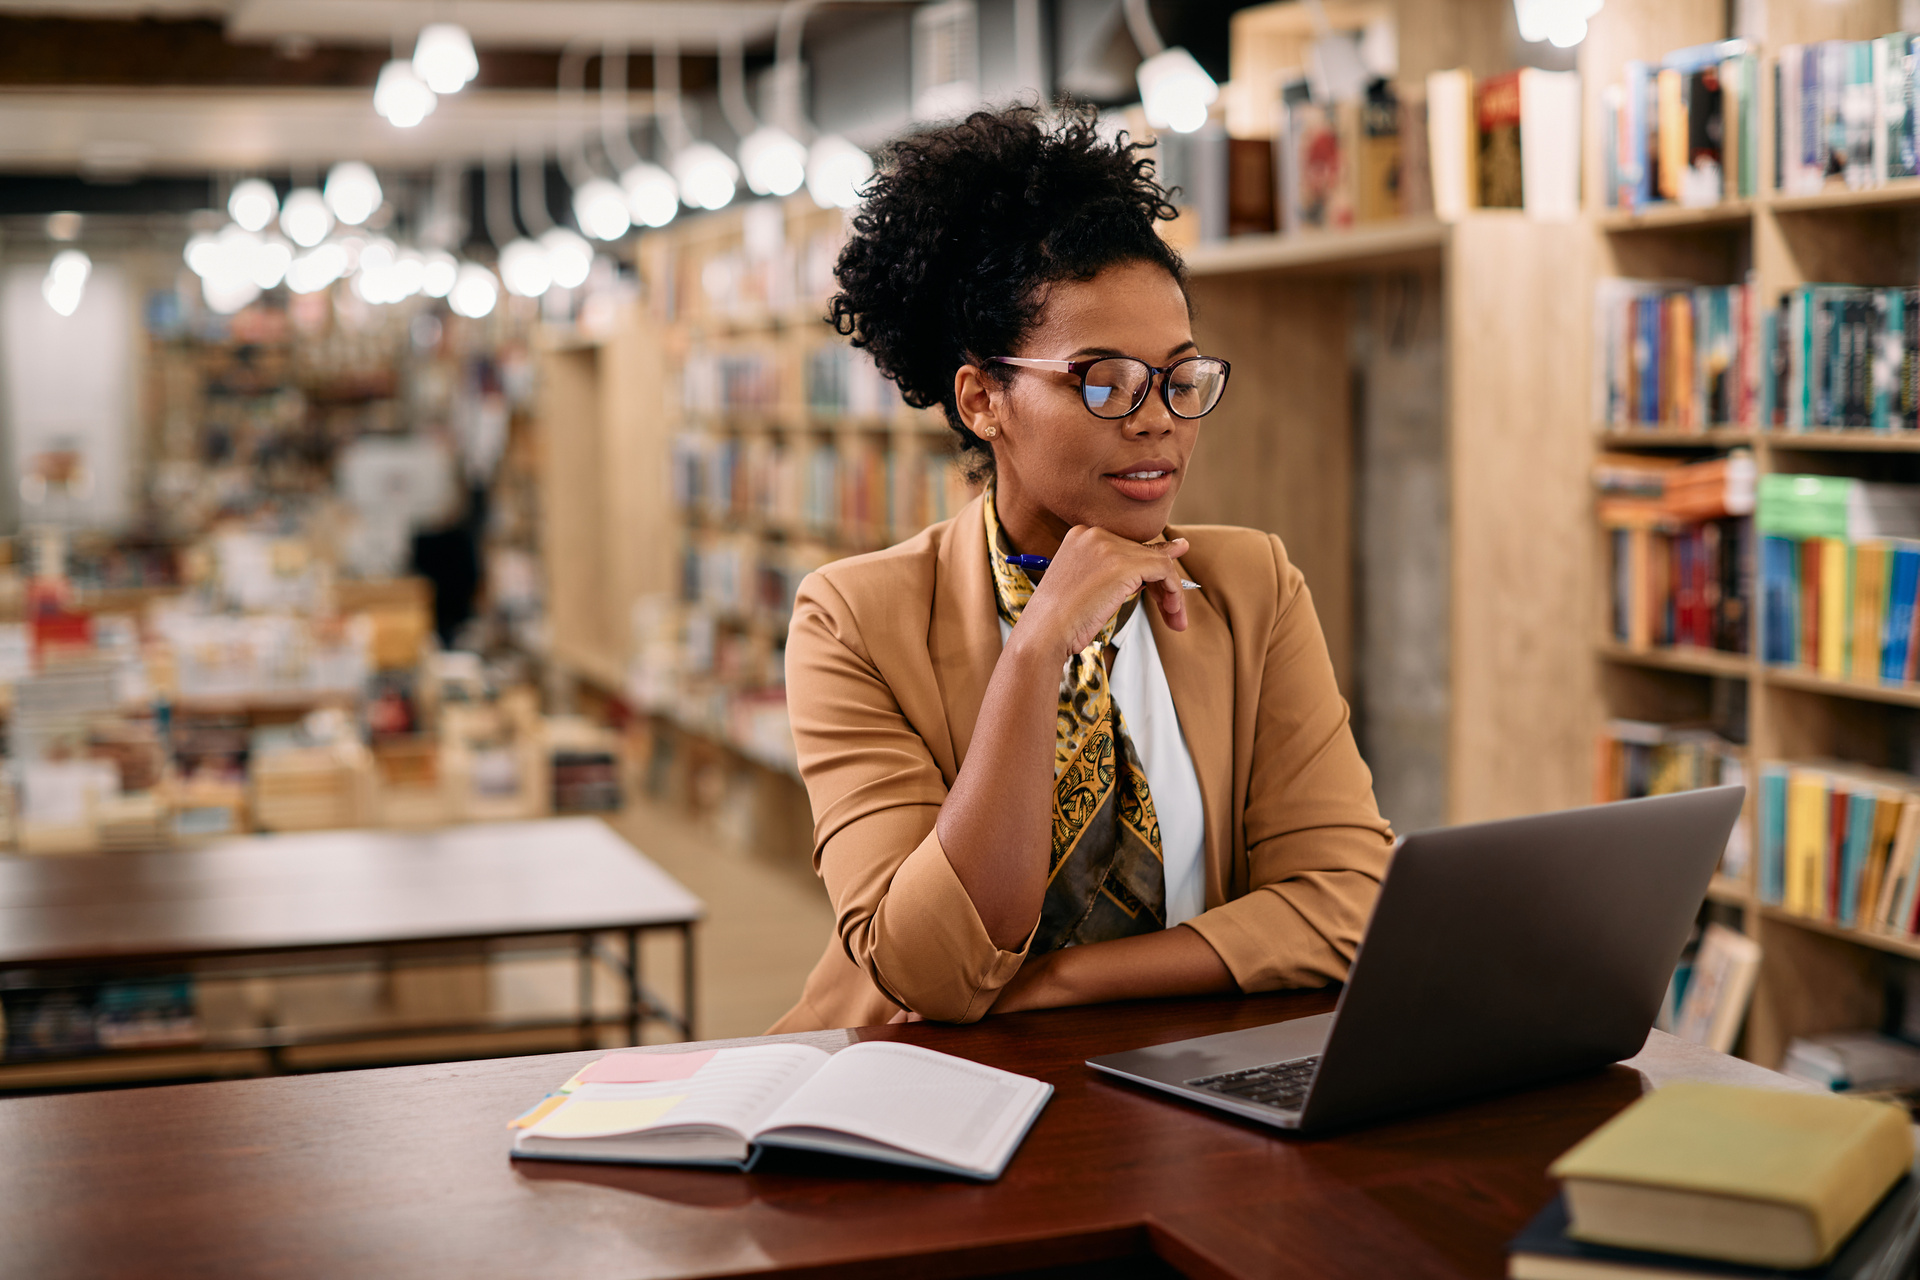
{"x": 996, "y": 825}
{"x": 1172, "y": 962}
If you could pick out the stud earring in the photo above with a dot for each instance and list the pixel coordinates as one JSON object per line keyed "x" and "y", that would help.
{"x": 989, "y": 431}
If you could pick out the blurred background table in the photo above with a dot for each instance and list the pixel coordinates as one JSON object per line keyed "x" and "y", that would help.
{"x": 328, "y": 902}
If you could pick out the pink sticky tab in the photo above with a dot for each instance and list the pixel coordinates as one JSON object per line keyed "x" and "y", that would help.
{"x": 644, "y": 1068}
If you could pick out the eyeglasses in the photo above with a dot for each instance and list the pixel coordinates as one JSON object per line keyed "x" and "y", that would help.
{"x": 1115, "y": 386}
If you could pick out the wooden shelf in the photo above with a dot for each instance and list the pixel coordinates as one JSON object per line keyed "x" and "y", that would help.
{"x": 1899, "y": 695}
{"x": 1904, "y": 191}
{"x": 1665, "y": 438}
{"x": 1728, "y": 890}
{"x": 1365, "y": 247}
{"x": 1706, "y": 662}
{"x": 1845, "y": 441}
{"x": 1732, "y": 214}
{"x": 1896, "y": 945}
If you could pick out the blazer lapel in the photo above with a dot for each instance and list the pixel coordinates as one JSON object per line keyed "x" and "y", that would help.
{"x": 964, "y": 633}
{"x": 1199, "y": 667}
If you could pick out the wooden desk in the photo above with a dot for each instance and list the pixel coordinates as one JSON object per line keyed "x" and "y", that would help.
{"x": 404, "y": 1173}
{"x": 338, "y": 898}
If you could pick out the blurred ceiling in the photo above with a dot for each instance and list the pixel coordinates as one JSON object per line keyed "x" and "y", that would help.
{"x": 696, "y": 25}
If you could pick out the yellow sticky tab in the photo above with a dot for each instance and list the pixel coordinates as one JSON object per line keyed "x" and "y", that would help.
{"x": 573, "y": 1081}
{"x": 600, "y": 1117}
{"x": 539, "y": 1111}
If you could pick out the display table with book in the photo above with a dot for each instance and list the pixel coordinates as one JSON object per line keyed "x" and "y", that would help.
{"x": 406, "y": 1172}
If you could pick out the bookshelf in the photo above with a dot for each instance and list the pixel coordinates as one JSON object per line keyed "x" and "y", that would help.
{"x": 1815, "y": 975}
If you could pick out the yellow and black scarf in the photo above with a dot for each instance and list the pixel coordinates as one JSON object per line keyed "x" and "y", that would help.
{"x": 1106, "y": 878}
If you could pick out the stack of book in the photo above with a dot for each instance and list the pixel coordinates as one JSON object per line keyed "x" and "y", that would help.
{"x": 1680, "y": 539}
{"x": 1639, "y": 758}
{"x": 1715, "y": 1180}
{"x": 1675, "y": 356}
{"x": 1840, "y": 843}
{"x": 1841, "y": 357}
{"x": 1844, "y": 114}
{"x": 1685, "y": 131}
{"x": 1840, "y": 566}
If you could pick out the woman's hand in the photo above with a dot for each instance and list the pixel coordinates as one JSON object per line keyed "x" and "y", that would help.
{"x": 1091, "y": 577}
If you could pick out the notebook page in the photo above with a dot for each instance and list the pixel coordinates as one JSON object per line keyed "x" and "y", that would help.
{"x": 735, "y": 1090}
{"x": 955, "y": 1111}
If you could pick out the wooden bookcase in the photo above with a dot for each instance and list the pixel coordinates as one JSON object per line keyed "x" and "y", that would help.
{"x": 1815, "y": 976}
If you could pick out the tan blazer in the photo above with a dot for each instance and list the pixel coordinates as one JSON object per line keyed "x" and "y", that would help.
{"x": 888, "y": 659}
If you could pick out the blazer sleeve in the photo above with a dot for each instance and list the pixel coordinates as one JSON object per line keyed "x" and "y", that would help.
{"x": 900, "y": 911}
{"x": 1317, "y": 847}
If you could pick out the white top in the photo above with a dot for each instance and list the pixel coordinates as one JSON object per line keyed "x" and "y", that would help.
{"x": 1140, "y": 690}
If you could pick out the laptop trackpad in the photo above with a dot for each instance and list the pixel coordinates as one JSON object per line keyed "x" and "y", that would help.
{"x": 1184, "y": 1060}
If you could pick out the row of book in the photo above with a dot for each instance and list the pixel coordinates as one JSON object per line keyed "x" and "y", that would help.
{"x": 1840, "y": 567}
{"x": 774, "y": 274}
{"x": 1844, "y": 112}
{"x": 1841, "y": 843}
{"x": 1674, "y": 356}
{"x": 1680, "y": 542}
{"x": 1682, "y": 131}
{"x": 1636, "y": 758}
{"x": 741, "y": 577}
{"x": 1841, "y": 356}
{"x": 837, "y": 381}
{"x": 845, "y": 382}
{"x": 859, "y": 492}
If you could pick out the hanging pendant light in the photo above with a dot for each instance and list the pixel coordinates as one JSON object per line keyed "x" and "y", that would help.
{"x": 569, "y": 256}
{"x": 708, "y": 177}
{"x": 601, "y": 209}
{"x": 438, "y": 272}
{"x": 66, "y": 281}
{"x": 836, "y": 170}
{"x": 1175, "y": 90}
{"x": 253, "y": 204}
{"x": 474, "y": 292}
{"x": 352, "y": 192}
{"x": 653, "y": 197}
{"x": 401, "y": 96}
{"x": 305, "y": 217}
{"x": 774, "y": 161}
{"x": 443, "y": 57}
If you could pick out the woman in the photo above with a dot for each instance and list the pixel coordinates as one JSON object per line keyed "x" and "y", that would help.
{"x": 1059, "y": 753}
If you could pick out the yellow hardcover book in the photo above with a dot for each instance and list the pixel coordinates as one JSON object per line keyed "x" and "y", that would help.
{"x": 1764, "y": 1177}
{"x": 1835, "y": 570}
{"x": 1870, "y": 561}
{"x": 1887, "y": 809}
{"x": 1893, "y": 882}
{"x": 1806, "y": 842}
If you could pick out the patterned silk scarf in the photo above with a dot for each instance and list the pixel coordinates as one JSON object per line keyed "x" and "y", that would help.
{"x": 1106, "y": 878}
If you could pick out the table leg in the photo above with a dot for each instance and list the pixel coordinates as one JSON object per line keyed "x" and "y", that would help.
{"x": 586, "y": 991}
{"x": 686, "y": 981}
{"x": 633, "y": 986}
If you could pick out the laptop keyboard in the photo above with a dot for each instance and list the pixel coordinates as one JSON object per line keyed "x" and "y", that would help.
{"x": 1280, "y": 1085}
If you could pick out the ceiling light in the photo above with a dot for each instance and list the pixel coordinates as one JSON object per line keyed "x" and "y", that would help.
{"x": 409, "y": 273}
{"x": 524, "y": 268}
{"x": 1176, "y": 91}
{"x": 305, "y": 217}
{"x": 569, "y": 256}
{"x": 271, "y": 256}
{"x": 66, "y": 281}
{"x": 316, "y": 269}
{"x": 1564, "y": 22}
{"x": 474, "y": 291}
{"x": 774, "y": 160}
{"x": 836, "y": 170}
{"x": 708, "y": 177}
{"x": 443, "y": 57}
{"x": 401, "y": 96}
{"x": 203, "y": 248}
{"x": 253, "y": 204}
{"x": 353, "y": 192}
{"x": 601, "y": 209}
{"x": 438, "y": 270}
{"x": 653, "y": 197}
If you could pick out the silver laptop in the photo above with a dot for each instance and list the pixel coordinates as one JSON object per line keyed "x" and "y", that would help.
{"x": 1499, "y": 954}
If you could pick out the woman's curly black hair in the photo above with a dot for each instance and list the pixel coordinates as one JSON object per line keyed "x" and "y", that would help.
{"x": 963, "y": 224}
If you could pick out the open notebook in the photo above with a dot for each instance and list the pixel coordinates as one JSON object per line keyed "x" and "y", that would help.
{"x": 879, "y": 1101}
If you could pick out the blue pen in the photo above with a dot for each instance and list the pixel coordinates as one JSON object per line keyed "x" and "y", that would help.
{"x": 1038, "y": 564}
